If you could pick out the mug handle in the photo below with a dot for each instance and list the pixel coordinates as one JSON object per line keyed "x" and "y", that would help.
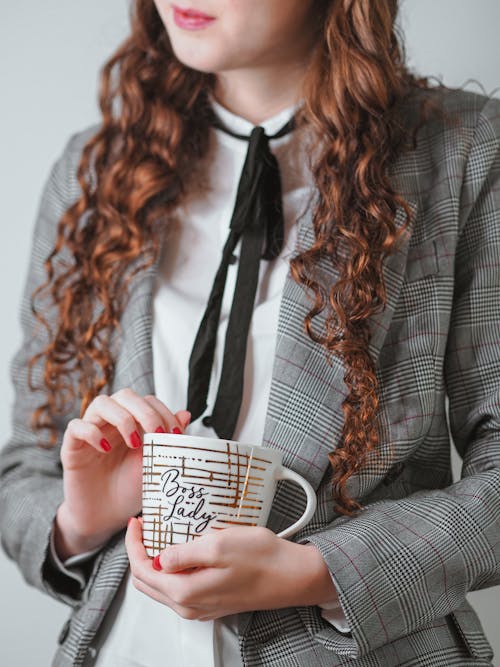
{"x": 286, "y": 473}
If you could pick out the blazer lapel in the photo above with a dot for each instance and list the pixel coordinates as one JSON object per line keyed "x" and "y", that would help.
{"x": 134, "y": 367}
{"x": 304, "y": 417}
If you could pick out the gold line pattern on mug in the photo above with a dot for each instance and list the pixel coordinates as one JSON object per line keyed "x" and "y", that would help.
{"x": 184, "y": 486}
{"x": 165, "y": 535}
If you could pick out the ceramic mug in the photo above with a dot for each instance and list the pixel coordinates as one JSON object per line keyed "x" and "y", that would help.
{"x": 191, "y": 485}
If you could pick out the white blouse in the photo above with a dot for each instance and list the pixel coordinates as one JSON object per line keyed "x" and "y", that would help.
{"x": 138, "y": 631}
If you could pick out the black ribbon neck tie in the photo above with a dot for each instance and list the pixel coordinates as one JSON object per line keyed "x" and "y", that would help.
{"x": 258, "y": 220}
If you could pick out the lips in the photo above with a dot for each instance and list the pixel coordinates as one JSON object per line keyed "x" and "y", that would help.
{"x": 191, "y": 19}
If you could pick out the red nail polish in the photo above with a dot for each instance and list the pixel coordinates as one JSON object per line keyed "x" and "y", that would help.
{"x": 176, "y": 430}
{"x": 135, "y": 439}
{"x": 105, "y": 445}
{"x": 156, "y": 563}
{"x": 160, "y": 429}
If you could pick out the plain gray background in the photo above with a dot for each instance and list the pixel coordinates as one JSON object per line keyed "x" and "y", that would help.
{"x": 50, "y": 55}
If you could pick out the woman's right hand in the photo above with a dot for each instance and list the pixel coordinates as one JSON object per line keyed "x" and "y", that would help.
{"x": 101, "y": 455}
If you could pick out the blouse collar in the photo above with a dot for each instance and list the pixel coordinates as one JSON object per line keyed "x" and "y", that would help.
{"x": 240, "y": 125}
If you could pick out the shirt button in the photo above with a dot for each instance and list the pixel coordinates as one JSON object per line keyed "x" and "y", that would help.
{"x": 207, "y": 421}
{"x": 233, "y": 259}
{"x": 91, "y": 654}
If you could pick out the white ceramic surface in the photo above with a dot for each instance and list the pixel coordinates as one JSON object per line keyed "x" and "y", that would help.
{"x": 192, "y": 485}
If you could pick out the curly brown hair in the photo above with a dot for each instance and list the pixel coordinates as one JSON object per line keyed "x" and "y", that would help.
{"x": 135, "y": 170}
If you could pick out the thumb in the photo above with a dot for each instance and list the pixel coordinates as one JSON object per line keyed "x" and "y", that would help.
{"x": 182, "y": 557}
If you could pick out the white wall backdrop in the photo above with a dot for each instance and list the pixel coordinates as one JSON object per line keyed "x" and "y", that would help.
{"x": 50, "y": 55}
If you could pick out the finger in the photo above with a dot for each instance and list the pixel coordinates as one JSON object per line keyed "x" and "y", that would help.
{"x": 79, "y": 432}
{"x": 135, "y": 547}
{"x": 140, "y": 563}
{"x": 106, "y": 410}
{"x": 145, "y": 411}
{"x": 186, "y": 598}
{"x": 189, "y": 613}
{"x": 192, "y": 595}
{"x": 184, "y": 416}
{"x": 169, "y": 420}
{"x": 202, "y": 552}
{"x": 186, "y": 612}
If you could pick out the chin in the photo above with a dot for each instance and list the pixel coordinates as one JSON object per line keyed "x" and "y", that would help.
{"x": 200, "y": 60}
{"x": 202, "y": 52}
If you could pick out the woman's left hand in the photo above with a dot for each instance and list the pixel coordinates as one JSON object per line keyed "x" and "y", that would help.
{"x": 230, "y": 571}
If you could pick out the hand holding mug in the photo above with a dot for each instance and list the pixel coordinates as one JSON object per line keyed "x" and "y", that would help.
{"x": 230, "y": 571}
{"x": 205, "y": 505}
{"x": 101, "y": 455}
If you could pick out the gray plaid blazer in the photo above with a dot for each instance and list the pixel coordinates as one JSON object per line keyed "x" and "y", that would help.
{"x": 403, "y": 566}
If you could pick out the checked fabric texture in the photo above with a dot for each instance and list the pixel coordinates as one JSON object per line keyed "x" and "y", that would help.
{"x": 404, "y": 565}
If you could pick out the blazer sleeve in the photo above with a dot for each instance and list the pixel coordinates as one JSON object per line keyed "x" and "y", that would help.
{"x": 448, "y": 540}
{"x": 30, "y": 476}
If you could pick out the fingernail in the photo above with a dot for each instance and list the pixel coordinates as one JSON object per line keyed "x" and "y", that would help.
{"x": 105, "y": 445}
{"x": 135, "y": 439}
{"x": 188, "y": 418}
{"x": 160, "y": 429}
{"x": 128, "y": 522}
{"x": 176, "y": 430}
{"x": 156, "y": 563}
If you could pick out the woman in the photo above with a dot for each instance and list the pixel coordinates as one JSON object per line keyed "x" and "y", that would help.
{"x": 391, "y": 226}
